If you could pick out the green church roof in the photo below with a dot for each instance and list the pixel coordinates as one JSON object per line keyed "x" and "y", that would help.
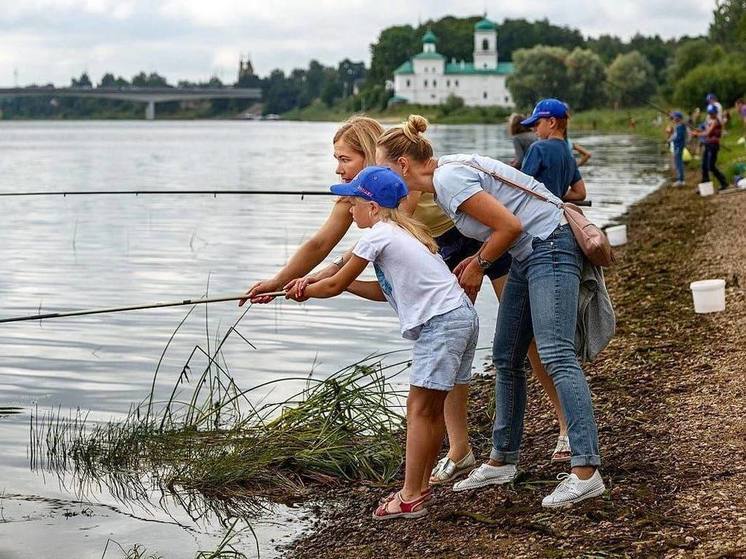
{"x": 455, "y": 68}
{"x": 485, "y": 25}
{"x": 405, "y": 68}
{"x": 503, "y": 69}
{"x": 429, "y": 37}
{"x": 428, "y": 56}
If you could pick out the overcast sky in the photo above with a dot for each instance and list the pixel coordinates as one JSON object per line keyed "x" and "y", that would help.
{"x": 45, "y": 41}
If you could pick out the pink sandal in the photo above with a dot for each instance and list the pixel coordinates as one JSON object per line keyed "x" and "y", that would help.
{"x": 411, "y": 509}
{"x": 427, "y": 493}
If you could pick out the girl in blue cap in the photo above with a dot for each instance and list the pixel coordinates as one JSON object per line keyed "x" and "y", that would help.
{"x": 540, "y": 298}
{"x": 432, "y": 308}
{"x": 678, "y": 143}
{"x": 354, "y": 149}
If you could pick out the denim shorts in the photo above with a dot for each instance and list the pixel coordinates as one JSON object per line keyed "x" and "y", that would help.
{"x": 453, "y": 246}
{"x": 443, "y": 354}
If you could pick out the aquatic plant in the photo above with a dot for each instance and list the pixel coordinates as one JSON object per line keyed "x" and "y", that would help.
{"x": 213, "y": 437}
{"x": 224, "y": 550}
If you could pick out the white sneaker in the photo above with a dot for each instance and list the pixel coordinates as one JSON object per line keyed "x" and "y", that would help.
{"x": 487, "y": 475}
{"x": 572, "y": 490}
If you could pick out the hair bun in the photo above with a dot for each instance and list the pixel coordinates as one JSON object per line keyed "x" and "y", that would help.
{"x": 414, "y": 126}
{"x": 417, "y": 123}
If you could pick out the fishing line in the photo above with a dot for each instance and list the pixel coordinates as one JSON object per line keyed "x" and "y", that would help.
{"x": 214, "y": 193}
{"x": 47, "y": 316}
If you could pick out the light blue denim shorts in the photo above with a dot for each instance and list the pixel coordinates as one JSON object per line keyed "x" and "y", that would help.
{"x": 442, "y": 356}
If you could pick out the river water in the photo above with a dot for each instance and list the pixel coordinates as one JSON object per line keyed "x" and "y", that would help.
{"x": 60, "y": 254}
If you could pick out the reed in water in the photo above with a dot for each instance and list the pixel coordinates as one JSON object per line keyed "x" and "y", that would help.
{"x": 211, "y": 436}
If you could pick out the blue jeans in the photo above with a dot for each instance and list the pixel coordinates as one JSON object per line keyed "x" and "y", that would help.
{"x": 541, "y": 300}
{"x": 678, "y": 160}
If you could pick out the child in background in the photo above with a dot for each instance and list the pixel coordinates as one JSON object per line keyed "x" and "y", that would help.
{"x": 550, "y": 160}
{"x": 433, "y": 310}
{"x": 678, "y": 139}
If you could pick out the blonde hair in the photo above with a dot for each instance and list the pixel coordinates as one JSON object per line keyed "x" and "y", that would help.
{"x": 406, "y": 140}
{"x": 360, "y": 133}
{"x": 410, "y": 225}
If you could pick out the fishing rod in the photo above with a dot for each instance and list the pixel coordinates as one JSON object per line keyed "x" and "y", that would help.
{"x": 214, "y": 193}
{"x": 47, "y": 316}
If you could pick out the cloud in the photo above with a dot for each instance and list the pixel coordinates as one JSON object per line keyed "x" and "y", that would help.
{"x": 52, "y": 40}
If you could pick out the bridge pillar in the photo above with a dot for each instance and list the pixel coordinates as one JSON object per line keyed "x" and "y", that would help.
{"x": 150, "y": 110}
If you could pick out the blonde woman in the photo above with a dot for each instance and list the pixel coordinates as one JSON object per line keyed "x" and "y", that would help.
{"x": 354, "y": 149}
{"x": 433, "y": 310}
{"x": 539, "y": 300}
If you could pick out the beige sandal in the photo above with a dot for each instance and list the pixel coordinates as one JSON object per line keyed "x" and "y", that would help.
{"x": 562, "y": 452}
{"x": 447, "y": 470}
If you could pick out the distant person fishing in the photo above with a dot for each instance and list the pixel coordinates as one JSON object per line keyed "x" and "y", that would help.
{"x": 678, "y": 138}
{"x": 710, "y": 136}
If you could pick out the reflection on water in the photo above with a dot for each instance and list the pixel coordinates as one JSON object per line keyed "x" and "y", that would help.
{"x": 69, "y": 253}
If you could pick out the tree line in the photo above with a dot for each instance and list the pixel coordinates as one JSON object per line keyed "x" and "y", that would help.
{"x": 549, "y": 60}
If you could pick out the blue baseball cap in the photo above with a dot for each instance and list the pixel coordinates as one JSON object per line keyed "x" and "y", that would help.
{"x": 376, "y": 184}
{"x": 710, "y": 97}
{"x": 546, "y": 108}
{"x": 712, "y": 109}
{"x": 677, "y": 114}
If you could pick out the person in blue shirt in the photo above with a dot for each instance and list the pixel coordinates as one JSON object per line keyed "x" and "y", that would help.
{"x": 678, "y": 141}
{"x": 550, "y": 160}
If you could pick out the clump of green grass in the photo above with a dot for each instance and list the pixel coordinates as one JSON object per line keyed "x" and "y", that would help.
{"x": 217, "y": 441}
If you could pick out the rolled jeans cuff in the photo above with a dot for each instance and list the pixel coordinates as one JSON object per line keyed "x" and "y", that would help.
{"x": 504, "y": 457}
{"x": 585, "y": 460}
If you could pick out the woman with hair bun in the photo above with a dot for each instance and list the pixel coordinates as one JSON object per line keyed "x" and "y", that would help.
{"x": 539, "y": 300}
{"x": 354, "y": 149}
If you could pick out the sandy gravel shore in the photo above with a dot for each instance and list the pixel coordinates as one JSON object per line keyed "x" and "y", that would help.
{"x": 669, "y": 396}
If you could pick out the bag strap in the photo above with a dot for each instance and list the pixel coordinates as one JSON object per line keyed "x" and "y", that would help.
{"x": 507, "y": 181}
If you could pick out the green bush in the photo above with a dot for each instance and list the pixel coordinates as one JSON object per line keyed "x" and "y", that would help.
{"x": 726, "y": 78}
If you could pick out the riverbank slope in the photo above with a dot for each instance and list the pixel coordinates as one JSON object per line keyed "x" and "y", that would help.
{"x": 668, "y": 396}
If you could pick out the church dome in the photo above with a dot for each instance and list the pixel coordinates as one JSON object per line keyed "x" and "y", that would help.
{"x": 484, "y": 25}
{"x": 429, "y": 37}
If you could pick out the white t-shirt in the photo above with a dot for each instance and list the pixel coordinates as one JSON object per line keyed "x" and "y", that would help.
{"x": 416, "y": 282}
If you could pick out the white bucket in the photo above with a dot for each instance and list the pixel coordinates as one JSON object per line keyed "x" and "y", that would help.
{"x": 741, "y": 184}
{"x": 706, "y": 189}
{"x": 709, "y": 295}
{"x": 617, "y": 235}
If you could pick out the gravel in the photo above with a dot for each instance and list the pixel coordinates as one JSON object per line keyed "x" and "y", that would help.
{"x": 669, "y": 400}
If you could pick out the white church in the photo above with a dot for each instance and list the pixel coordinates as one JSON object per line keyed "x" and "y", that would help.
{"x": 428, "y": 78}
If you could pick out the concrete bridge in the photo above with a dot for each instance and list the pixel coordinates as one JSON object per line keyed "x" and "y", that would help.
{"x": 148, "y": 95}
